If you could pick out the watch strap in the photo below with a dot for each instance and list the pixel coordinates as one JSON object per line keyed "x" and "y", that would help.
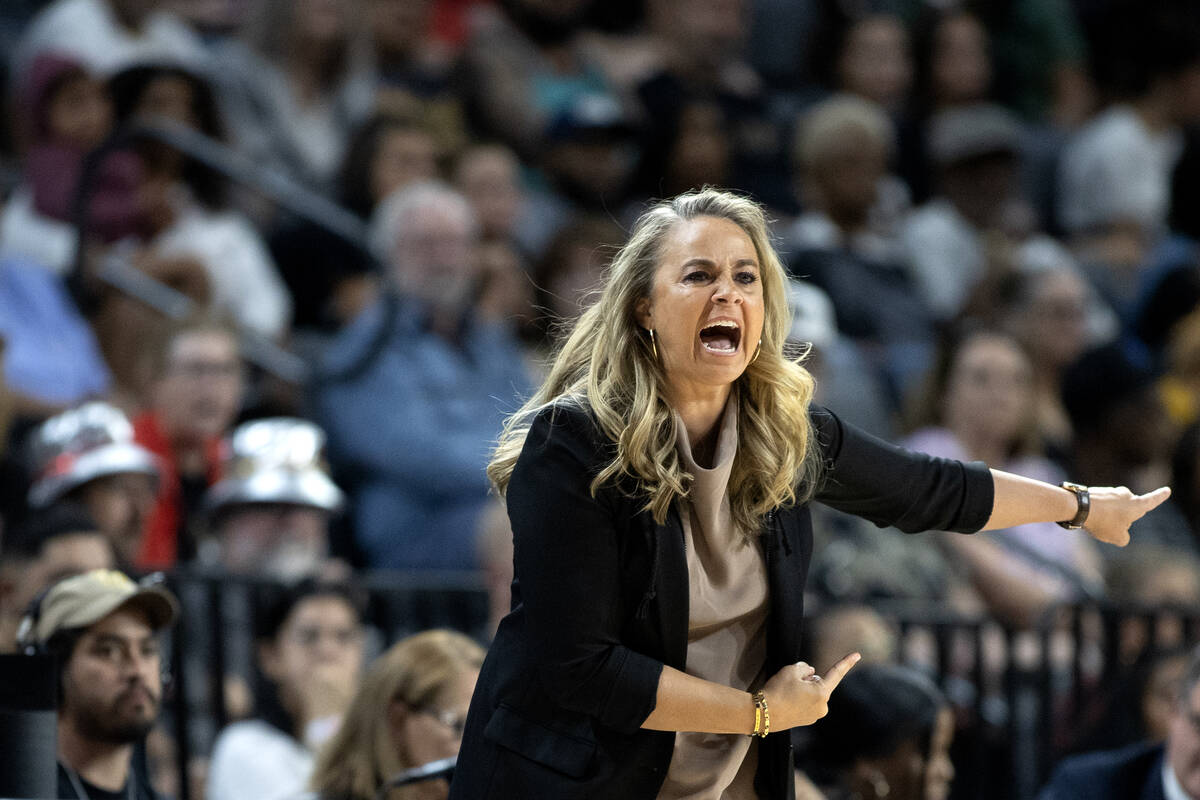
{"x": 1083, "y": 498}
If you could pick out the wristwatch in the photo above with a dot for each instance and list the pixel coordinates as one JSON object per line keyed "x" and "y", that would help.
{"x": 1085, "y": 505}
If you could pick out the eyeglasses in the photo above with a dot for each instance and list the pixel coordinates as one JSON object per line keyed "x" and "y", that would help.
{"x": 208, "y": 370}
{"x": 454, "y": 722}
{"x": 308, "y": 636}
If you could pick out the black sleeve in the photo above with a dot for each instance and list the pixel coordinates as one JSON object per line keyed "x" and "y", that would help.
{"x": 889, "y": 485}
{"x": 567, "y": 563}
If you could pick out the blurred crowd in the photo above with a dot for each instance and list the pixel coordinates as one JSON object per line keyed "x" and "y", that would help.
{"x": 990, "y": 210}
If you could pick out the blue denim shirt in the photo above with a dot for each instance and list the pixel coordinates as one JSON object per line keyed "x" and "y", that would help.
{"x": 50, "y": 353}
{"x": 410, "y": 434}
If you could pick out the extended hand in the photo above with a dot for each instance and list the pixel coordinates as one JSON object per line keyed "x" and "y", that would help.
{"x": 796, "y": 695}
{"x": 1114, "y": 509}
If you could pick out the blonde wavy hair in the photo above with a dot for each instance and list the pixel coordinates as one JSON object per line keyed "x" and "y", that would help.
{"x": 363, "y": 754}
{"x": 607, "y": 365}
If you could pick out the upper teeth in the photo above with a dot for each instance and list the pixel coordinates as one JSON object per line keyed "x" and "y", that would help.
{"x": 725, "y": 323}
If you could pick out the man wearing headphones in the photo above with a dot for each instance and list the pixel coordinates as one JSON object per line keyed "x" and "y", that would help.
{"x": 104, "y": 629}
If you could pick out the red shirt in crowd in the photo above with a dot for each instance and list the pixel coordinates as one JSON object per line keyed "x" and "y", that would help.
{"x": 160, "y": 543}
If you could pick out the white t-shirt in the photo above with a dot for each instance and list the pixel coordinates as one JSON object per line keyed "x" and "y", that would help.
{"x": 26, "y": 234}
{"x": 253, "y": 760}
{"x": 944, "y": 254}
{"x": 245, "y": 283}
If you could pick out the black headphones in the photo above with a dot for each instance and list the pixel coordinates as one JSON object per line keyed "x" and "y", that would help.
{"x": 27, "y": 642}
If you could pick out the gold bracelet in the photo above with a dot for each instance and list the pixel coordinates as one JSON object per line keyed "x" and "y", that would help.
{"x": 761, "y": 715}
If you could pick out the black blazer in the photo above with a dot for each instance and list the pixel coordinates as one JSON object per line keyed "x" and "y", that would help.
{"x": 1131, "y": 773}
{"x": 600, "y": 604}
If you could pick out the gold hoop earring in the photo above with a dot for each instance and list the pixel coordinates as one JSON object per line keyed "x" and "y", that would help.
{"x": 754, "y": 357}
{"x": 653, "y": 346}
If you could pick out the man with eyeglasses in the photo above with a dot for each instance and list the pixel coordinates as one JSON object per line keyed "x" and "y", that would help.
{"x": 193, "y": 398}
{"x": 413, "y": 392}
{"x": 104, "y": 630}
{"x": 1148, "y": 771}
{"x": 270, "y": 514}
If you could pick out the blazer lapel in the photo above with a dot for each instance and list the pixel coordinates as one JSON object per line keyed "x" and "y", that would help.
{"x": 673, "y": 606}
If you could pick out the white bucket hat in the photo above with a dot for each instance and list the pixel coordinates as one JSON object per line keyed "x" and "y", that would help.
{"x": 80, "y": 445}
{"x": 276, "y": 460}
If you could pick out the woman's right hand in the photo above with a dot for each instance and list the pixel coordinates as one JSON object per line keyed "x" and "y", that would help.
{"x": 797, "y": 695}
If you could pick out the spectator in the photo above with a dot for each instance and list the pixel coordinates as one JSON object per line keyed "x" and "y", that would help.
{"x": 417, "y": 478}
{"x": 953, "y": 60}
{"x": 1139, "y": 708}
{"x": 107, "y": 35}
{"x": 845, "y": 379}
{"x": 127, "y": 329}
{"x": 330, "y": 279}
{"x": 705, "y": 113}
{"x": 1154, "y": 577}
{"x": 589, "y": 154}
{"x": 1039, "y": 52}
{"x": 387, "y": 153}
{"x": 195, "y": 394}
{"x": 298, "y": 86}
{"x": 310, "y": 652}
{"x": 103, "y": 630}
{"x": 55, "y": 543}
{"x": 525, "y": 67}
{"x": 270, "y": 515}
{"x": 1056, "y": 315}
{"x": 840, "y": 166}
{"x": 505, "y": 291}
{"x": 190, "y": 215}
{"x": 842, "y": 629}
{"x": 874, "y": 61}
{"x": 887, "y": 734}
{"x": 52, "y": 359}
{"x": 952, "y": 69}
{"x": 88, "y": 455}
{"x": 979, "y": 224}
{"x": 66, "y": 112}
{"x": 489, "y": 175}
{"x": 1115, "y": 173}
{"x": 1169, "y": 769}
{"x": 1110, "y": 388}
{"x": 847, "y": 241}
{"x": 417, "y": 68}
{"x": 409, "y": 711}
{"x": 1123, "y": 436}
{"x": 978, "y": 405}
{"x": 571, "y": 270}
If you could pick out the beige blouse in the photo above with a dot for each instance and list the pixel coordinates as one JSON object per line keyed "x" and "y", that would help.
{"x": 727, "y": 590}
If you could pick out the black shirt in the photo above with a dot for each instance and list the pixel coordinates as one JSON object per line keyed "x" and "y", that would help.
{"x": 67, "y": 790}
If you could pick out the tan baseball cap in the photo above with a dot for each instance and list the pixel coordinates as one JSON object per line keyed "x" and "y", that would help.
{"x": 85, "y": 599}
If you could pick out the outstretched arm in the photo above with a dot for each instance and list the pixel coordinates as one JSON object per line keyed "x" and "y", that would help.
{"x": 1021, "y": 500}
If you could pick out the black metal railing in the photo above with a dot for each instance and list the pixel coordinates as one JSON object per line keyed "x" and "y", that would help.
{"x": 1022, "y": 697}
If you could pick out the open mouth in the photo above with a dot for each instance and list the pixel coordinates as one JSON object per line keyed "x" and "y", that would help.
{"x": 721, "y": 337}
